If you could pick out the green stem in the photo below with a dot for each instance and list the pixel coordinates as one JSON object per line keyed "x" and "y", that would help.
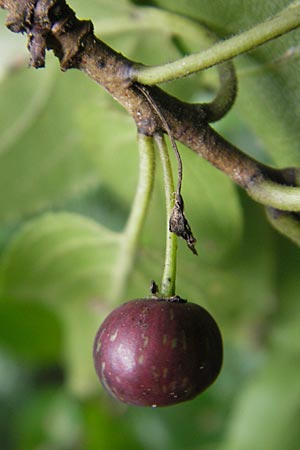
{"x": 226, "y": 94}
{"x": 275, "y": 195}
{"x": 136, "y": 220}
{"x": 286, "y": 223}
{"x": 285, "y": 21}
{"x": 169, "y": 273}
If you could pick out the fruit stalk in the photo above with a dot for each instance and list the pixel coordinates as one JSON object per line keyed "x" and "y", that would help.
{"x": 168, "y": 284}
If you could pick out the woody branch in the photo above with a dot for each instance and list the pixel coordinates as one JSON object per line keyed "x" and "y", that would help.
{"x": 52, "y": 25}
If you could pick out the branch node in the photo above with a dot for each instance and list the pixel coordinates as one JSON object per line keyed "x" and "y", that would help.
{"x": 70, "y": 37}
{"x": 19, "y": 15}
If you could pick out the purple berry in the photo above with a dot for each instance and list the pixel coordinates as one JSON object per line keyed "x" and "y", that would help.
{"x": 157, "y": 352}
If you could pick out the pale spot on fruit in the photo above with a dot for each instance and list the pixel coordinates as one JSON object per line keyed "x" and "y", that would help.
{"x": 146, "y": 341}
{"x": 104, "y": 380}
{"x": 165, "y": 339}
{"x": 126, "y": 358}
{"x": 113, "y": 337}
{"x": 99, "y": 343}
{"x": 172, "y": 315}
{"x": 141, "y": 359}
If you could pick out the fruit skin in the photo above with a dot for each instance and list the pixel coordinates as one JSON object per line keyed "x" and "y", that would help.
{"x": 157, "y": 352}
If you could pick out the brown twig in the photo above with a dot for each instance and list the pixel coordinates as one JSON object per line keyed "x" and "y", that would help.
{"x": 52, "y": 25}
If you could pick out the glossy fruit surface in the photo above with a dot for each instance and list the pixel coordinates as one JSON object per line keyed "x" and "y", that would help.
{"x": 157, "y": 352}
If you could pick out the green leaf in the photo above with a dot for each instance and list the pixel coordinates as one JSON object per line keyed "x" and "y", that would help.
{"x": 102, "y": 8}
{"x": 41, "y": 147}
{"x": 213, "y": 208}
{"x": 267, "y": 414}
{"x": 108, "y": 427}
{"x": 110, "y": 140}
{"x": 59, "y": 257}
{"x": 49, "y": 417}
{"x": 223, "y": 15}
{"x": 30, "y": 331}
{"x": 68, "y": 262}
{"x": 81, "y": 323}
{"x": 285, "y": 332}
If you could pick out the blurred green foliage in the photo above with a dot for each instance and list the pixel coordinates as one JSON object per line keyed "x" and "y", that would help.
{"x": 68, "y": 169}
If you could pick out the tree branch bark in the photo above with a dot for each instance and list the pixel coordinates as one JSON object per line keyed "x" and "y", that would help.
{"x": 52, "y": 25}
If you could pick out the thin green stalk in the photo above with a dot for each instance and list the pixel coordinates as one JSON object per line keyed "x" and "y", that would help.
{"x": 287, "y": 223}
{"x": 136, "y": 219}
{"x": 282, "y": 23}
{"x": 168, "y": 283}
{"x": 226, "y": 94}
{"x": 275, "y": 195}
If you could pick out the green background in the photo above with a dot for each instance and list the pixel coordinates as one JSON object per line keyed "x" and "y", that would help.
{"x": 68, "y": 170}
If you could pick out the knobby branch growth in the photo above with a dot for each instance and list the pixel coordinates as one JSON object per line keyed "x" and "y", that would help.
{"x": 52, "y": 25}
